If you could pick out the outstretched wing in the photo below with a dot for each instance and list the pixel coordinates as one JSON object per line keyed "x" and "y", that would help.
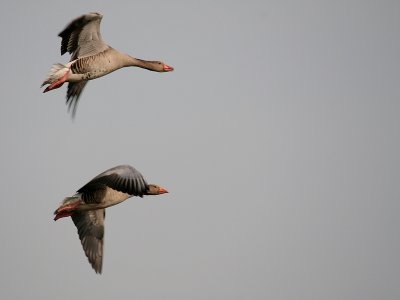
{"x": 90, "y": 225}
{"x": 82, "y": 37}
{"x": 122, "y": 178}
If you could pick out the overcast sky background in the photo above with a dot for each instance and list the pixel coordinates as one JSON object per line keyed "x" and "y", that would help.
{"x": 277, "y": 136}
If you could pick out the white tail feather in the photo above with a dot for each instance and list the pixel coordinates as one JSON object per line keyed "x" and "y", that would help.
{"x": 56, "y": 72}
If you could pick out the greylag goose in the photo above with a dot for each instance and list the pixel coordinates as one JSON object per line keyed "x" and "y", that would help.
{"x": 87, "y": 206}
{"x": 91, "y": 58}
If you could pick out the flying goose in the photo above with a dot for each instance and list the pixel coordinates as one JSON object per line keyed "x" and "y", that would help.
{"x": 87, "y": 206}
{"x": 91, "y": 58}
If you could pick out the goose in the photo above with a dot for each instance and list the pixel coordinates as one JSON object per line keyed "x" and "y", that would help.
{"x": 87, "y": 206}
{"x": 91, "y": 58}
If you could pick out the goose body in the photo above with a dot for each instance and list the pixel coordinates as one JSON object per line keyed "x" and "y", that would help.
{"x": 87, "y": 206}
{"x": 91, "y": 58}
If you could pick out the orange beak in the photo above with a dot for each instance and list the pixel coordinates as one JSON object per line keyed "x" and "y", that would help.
{"x": 162, "y": 190}
{"x": 168, "y": 68}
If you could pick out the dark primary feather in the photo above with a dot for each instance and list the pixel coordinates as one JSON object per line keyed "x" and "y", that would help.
{"x": 90, "y": 225}
{"x": 74, "y": 91}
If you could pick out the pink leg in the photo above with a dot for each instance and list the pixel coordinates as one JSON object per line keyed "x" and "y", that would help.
{"x": 62, "y": 215}
{"x": 58, "y": 83}
{"x": 66, "y": 210}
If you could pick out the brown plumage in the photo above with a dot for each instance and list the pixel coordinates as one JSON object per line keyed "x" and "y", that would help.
{"x": 91, "y": 58}
{"x": 87, "y": 206}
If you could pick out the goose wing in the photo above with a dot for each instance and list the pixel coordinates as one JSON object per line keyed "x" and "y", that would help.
{"x": 90, "y": 225}
{"x": 122, "y": 178}
{"x": 74, "y": 91}
{"x": 82, "y": 37}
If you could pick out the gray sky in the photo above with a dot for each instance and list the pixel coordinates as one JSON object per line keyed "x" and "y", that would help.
{"x": 277, "y": 136}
